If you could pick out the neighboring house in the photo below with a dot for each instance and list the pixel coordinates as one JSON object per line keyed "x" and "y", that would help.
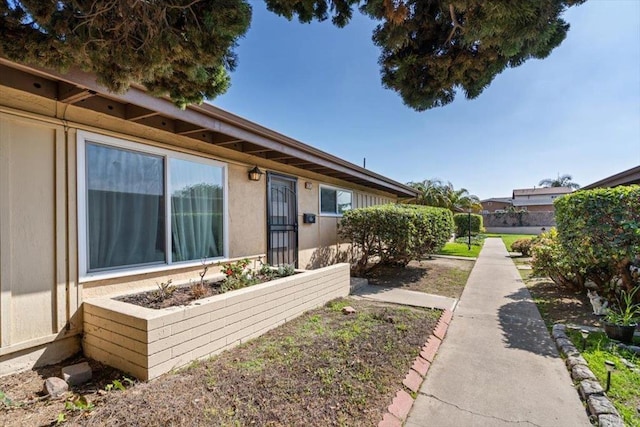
{"x": 525, "y": 199}
{"x": 537, "y": 199}
{"x": 495, "y": 204}
{"x": 103, "y": 194}
{"x": 628, "y": 177}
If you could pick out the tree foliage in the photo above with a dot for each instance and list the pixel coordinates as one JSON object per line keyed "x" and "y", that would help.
{"x": 180, "y": 48}
{"x": 461, "y": 221}
{"x": 431, "y": 49}
{"x": 560, "y": 181}
{"x": 394, "y": 233}
{"x": 437, "y": 193}
{"x": 599, "y": 230}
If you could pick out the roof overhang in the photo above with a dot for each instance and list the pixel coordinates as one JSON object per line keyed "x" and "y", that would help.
{"x": 630, "y": 176}
{"x": 201, "y": 122}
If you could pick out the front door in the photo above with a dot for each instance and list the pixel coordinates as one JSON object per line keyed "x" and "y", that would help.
{"x": 282, "y": 220}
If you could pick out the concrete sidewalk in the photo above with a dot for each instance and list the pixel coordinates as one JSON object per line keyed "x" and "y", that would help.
{"x": 405, "y": 297}
{"x": 497, "y": 365}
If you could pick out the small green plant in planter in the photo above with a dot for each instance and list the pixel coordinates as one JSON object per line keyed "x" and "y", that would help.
{"x": 621, "y": 320}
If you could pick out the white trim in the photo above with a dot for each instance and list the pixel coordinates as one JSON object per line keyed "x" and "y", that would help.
{"x": 84, "y": 275}
{"x": 331, "y": 187}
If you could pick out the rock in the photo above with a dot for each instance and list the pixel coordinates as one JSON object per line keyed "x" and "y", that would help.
{"x": 567, "y": 347}
{"x": 348, "y": 310}
{"x": 634, "y": 348}
{"x": 626, "y": 363}
{"x": 599, "y": 405}
{"x": 581, "y": 372}
{"x": 77, "y": 374}
{"x": 589, "y": 387}
{"x": 559, "y": 331}
{"x": 575, "y": 360}
{"x": 609, "y": 420}
{"x": 55, "y": 387}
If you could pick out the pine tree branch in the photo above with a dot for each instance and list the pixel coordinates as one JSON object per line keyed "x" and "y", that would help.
{"x": 456, "y": 23}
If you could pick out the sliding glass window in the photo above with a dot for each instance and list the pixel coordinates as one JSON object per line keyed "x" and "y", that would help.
{"x": 131, "y": 222}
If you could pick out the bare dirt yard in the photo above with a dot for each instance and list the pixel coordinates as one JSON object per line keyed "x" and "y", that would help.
{"x": 439, "y": 276}
{"x": 322, "y": 369}
{"x": 558, "y": 304}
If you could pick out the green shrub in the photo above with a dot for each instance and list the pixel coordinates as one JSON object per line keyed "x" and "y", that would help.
{"x": 395, "y": 233}
{"x": 523, "y": 246}
{"x": 462, "y": 224}
{"x": 600, "y": 230}
{"x": 550, "y": 260}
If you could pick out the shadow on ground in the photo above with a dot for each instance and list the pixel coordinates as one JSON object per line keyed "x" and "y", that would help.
{"x": 522, "y": 326}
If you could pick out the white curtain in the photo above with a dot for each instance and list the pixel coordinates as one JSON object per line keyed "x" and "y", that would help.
{"x": 196, "y": 210}
{"x": 125, "y": 207}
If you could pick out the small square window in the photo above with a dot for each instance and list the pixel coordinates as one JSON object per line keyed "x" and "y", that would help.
{"x": 335, "y": 201}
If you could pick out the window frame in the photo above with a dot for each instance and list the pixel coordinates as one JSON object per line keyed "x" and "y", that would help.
{"x": 336, "y": 189}
{"x": 84, "y": 137}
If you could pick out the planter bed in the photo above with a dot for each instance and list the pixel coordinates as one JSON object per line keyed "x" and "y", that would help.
{"x": 147, "y": 343}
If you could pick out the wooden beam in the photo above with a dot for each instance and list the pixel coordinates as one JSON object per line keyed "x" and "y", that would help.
{"x": 70, "y": 94}
{"x": 185, "y": 128}
{"x": 17, "y": 79}
{"x": 158, "y": 122}
{"x": 103, "y": 105}
{"x": 133, "y": 112}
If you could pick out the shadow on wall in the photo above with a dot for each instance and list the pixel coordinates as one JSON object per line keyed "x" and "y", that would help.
{"x": 329, "y": 255}
{"x": 522, "y": 326}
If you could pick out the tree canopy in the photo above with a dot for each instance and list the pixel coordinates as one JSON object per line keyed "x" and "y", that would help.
{"x": 430, "y": 49}
{"x": 560, "y": 181}
{"x": 180, "y": 48}
{"x": 435, "y": 192}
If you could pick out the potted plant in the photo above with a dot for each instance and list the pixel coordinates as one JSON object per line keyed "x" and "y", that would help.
{"x": 621, "y": 321}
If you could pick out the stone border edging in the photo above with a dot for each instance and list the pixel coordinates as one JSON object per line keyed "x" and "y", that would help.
{"x": 590, "y": 390}
{"x": 399, "y": 409}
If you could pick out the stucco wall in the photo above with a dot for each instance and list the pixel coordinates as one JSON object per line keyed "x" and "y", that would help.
{"x": 38, "y": 297}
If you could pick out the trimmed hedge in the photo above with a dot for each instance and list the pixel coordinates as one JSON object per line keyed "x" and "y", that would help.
{"x": 395, "y": 233}
{"x": 599, "y": 231}
{"x": 462, "y": 224}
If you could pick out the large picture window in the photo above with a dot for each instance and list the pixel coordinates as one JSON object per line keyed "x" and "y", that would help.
{"x": 141, "y": 207}
{"x": 334, "y": 201}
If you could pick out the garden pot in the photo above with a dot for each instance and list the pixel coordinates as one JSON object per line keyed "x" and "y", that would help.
{"x": 622, "y": 333}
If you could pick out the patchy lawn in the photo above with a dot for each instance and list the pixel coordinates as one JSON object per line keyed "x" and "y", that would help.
{"x": 440, "y": 276}
{"x": 323, "y": 368}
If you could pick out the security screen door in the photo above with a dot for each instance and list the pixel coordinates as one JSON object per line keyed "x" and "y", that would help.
{"x": 282, "y": 220}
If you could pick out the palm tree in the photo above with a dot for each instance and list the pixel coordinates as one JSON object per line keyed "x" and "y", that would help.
{"x": 560, "y": 181}
{"x": 435, "y": 192}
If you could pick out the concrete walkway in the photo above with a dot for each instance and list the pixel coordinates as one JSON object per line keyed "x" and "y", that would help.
{"x": 405, "y": 297}
{"x": 497, "y": 365}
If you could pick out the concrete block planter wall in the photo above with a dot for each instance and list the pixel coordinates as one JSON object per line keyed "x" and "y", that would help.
{"x": 147, "y": 343}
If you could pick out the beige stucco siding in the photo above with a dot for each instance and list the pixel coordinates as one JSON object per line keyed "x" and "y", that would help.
{"x": 247, "y": 214}
{"x": 33, "y": 232}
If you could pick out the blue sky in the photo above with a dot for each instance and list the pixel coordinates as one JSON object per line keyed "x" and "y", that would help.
{"x": 577, "y": 112}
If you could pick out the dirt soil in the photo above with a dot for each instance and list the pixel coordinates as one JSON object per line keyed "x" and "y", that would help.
{"x": 324, "y": 368}
{"x": 439, "y": 276}
{"x": 558, "y": 304}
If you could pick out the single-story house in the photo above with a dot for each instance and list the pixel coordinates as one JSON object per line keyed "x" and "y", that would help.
{"x": 628, "y": 177}
{"x": 103, "y": 194}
